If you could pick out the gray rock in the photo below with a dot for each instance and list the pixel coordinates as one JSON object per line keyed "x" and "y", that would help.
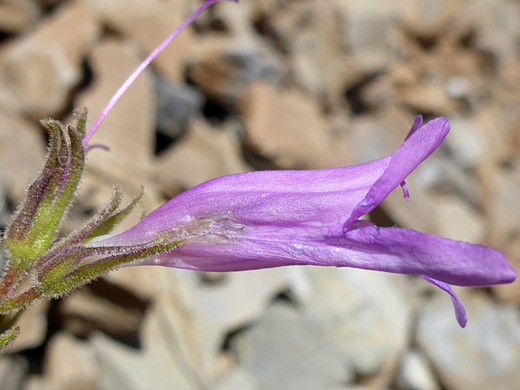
{"x": 130, "y": 126}
{"x": 223, "y": 70}
{"x": 148, "y": 22}
{"x": 104, "y": 307}
{"x": 237, "y": 380}
{"x": 36, "y": 382}
{"x": 122, "y": 367}
{"x": 175, "y": 104}
{"x": 241, "y": 298}
{"x": 466, "y": 143}
{"x": 22, "y": 154}
{"x": 70, "y": 364}
{"x": 415, "y": 373}
{"x": 485, "y": 355}
{"x": 33, "y": 325}
{"x": 314, "y": 36}
{"x": 289, "y": 129}
{"x": 367, "y": 24}
{"x": 202, "y": 154}
{"x": 367, "y": 314}
{"x": 287, "y": 350}
{"x": 12, "y": 371}
{"x": 440, "y": 173}
{"x": 38, "y": 73}
{"x": 498, "y": 26}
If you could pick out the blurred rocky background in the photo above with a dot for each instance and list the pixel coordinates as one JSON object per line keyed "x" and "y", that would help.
{"x": 271, "y": 84}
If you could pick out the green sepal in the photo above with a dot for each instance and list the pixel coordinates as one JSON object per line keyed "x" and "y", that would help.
{"x": 8, "y": 338}
{"x": 70, "y": 262}
{"x": 53, "y": 255}
{"x": 19, "y": 302}
{"x": 48, "y": 199}
{"x": 81, "y": 122}
{"x": 54, "y": 283}
{"x": 110, "y": 223}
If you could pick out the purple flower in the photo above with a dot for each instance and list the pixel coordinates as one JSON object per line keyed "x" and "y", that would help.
{"x": 279, "y": 218}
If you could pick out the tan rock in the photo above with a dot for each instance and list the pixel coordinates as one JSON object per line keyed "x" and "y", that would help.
{"x": 456, "y": 220}
{"x": 148, "y": 23}
{"x": 361, "y": 68}
{"x": 266, "y": 8}
{"x": 288, "y": 350}
{"x": 12, "y": 370}
{"x": 415, "y": 372}
{"x": 190, "y": 319}
{"x": 239, "y": 299}
{"x": 403, "y": 74}
{"x": 503, "y": 212}
{"x": 367, "y": 24}
{"x": 71, "y": 364}
{"x": 36, "y": 382}
{"x": 224, "y": 68}
{"x": 38, "y": 71}
{"x": 418, "y": 213}
{"x": 237, "y": 380}
{"x": 104, "y": 307}
{"x": 144, "y": 282}
{"x": 288, "y": 129}
{"x": 128, "y": 130}
{"x": 22, "y": 153}
{"x": 375, "y": 136}
{"x": 18, "y": 15}
{"x": 429, "y": 98}
{"x": 52, "y": 2}
{"x": 314, "y": 35}
{"x": 168, "y": 357}
{"x": 468, "y": 145}
{"x": 482, "y": 356}
{"x": 237, "y": 21}
{"x": 380, "y": 302}
{"x": 205, "y": 153}
{"x": 428, "y": 17}
{"x": 497, "y": 130}
{"x": 33, "y": 325}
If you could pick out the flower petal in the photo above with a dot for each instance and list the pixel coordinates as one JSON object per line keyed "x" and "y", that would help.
{"x": 411, "y": 252}
{"x": 417, "y": 123}
{"x": 380, "y": 249}
{"x": 279, "y": 218}
{"x": 460, "y": 312}
{"x": 320, "y": 198}
{"x": 420, "y": 143}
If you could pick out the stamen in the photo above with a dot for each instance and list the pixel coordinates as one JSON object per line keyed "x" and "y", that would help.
{"x": 96, "y": 146}
{"x": 406, "y": 193}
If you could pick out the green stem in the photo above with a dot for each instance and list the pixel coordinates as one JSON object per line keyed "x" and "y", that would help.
{"x": 20, "y": 301}
{"x": 7, "y": 321}
{"x": 12, "y": 277}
